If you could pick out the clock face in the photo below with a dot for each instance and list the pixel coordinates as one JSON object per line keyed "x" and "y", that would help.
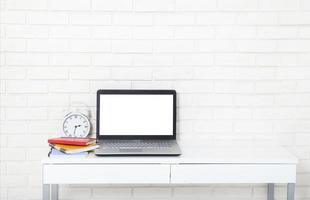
{"x": 76, "y": 125}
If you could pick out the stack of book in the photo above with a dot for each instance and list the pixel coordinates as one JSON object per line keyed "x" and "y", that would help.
{"x": 71, "y": 146}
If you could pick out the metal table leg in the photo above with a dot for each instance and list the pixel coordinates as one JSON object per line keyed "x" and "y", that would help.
{"x": 50, "y": 192}
{"x": 270, "y": 191}
{"x": 54, "y": 192}
{"x": 290, "y": 191}
{"x": 46, "y": 191}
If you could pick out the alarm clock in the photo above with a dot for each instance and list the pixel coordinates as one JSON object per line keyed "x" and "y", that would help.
{"x": 76, "y": 124}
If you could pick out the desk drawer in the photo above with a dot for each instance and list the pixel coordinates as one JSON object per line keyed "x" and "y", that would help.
{"x": 106, "y": 174}
{"x": 233, "y": 173}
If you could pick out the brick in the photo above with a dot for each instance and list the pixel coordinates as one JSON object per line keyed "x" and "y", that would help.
{"x": 253, "y": 126}
{"x": 131, "y": 46}
{"x": 90, "y": 46}
{"x": 70, "y": 5}
{"x": 251, "y": 18}
{"x": 152, "y": 60}
{"x": 27, "y": 5}
{"x": 293, "y": 73}
{"x": 253, "y": 100}
{"x": 292, "y": 100}
{"x": 12, "y": 73}
{"x": 157, "y": 192}
{"x": 234, "y": 32}
{"x": 75, "y": 193}
{"x": 286, "y": 126}
{"x": 131, "y": 74}
{"x": 14, "y": 181}
{"x": 294, "y": 45}
{"x": 193, "y": 87}
{"x": 112, "y": 5}
{"x": 48, "y": 100}
{"x": 215, "y": 18}
{"x": 294, "y": 18}
{"x": 283, "y": 59}
{"x": 156, "y": 33}
{"x": 237, "y": 4}
{"x": 93, "y": 73}
{"x": 161, "y": 84}
{"x": 212, "y": 99}
{"x": 50, "y": 45}
{"x": 69, "y": 32}
{"x": 277, "y": 32}
{"x": 109, "y": 84}
{"x": 90, "y": 19}
{"x": 215, "y": 73}
{"x": 154, "y": 5}
{"x": 50, "y": 73}
{"x": 18, "y": 59}
{"x": 109, "y": 32}
{"x": 26, "y": 31}
{"x": 13, "y": 100}
{"x": 304, "y": 32}
{"x": 166, "y": 46}
{"x": 12, "y": 17}
{"x": 233, "y": 86}
{"x": 305, "y": 4}
{"x": 26, "y": 87}
{"x": 136, "y": 19}
{"x": 194, "y": 59}
{"x": 211, "y": 126}
{"x": 14, "y": 127}
{"x": 69, "y": 86}
{"x": 189, "y": 192}
{"x": 236, "y": 192}
{"x": 234, "y": 59}
{"x": 69, "y": 59}
{"x": 174, "y": 19}
{"x": 47, "y": 18}
{"x": 215, "y": 46}
{"x": 256, "y": 46}
{"x": 180, "y": 73}
{"x": 112, "y": 59}
{"x": 26, "y": 113}
{"x": 111, "y": 192}
{"x": 230, "y": 113}
{"x": 278, "y": 4}
{"x": 194, "y": 33}
{"x": 195, "y": 5}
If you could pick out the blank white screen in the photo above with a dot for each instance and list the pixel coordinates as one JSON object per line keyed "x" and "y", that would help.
{"x": 136, "y": 114}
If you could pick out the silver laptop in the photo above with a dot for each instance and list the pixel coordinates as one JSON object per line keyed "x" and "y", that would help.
{"x": 136, "y": 122}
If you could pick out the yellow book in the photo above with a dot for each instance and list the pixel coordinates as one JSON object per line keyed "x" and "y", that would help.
{"x": 71, "y": 149}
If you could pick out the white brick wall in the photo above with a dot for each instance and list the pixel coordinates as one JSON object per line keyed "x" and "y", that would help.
{"x": 241, "y": 69}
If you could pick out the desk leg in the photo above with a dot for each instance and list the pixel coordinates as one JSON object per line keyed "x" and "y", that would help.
{"x": 46, "y": 192}
{"x": 290, "y": 191}
{"x": 50, "y": 192}
{"x": 54, "y": 192}
{"x": 270, "y": 191}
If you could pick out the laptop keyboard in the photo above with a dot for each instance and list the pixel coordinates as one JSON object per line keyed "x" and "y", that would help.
{"x": 141, "y": 144}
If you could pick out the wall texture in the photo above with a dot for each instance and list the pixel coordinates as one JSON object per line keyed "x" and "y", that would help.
{"x": 241, "y": 68}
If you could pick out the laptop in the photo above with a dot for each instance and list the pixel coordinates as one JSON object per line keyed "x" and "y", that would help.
{"x": 136, "y": 122}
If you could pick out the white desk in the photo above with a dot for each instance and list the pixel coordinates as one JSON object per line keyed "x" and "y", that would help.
{"x": 198, "y": 164}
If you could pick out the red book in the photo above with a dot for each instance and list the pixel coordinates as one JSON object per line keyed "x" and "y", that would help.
{"x": 72, "y": 141}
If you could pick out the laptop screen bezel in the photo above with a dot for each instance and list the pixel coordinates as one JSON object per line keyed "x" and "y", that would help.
{"x": 135, "y": 92}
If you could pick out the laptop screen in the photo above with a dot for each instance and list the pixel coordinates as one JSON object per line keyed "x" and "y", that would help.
{"x": 136, "y": 114}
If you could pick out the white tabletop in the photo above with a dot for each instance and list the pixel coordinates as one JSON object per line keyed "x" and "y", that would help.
{"x": 194, "y": 152}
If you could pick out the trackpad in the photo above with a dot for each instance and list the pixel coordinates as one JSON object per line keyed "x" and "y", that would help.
{"x": 130, "y": 150}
